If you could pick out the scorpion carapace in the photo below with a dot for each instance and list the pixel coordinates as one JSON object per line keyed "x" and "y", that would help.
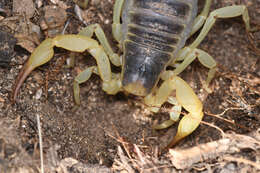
{"x": 155, "y": 30}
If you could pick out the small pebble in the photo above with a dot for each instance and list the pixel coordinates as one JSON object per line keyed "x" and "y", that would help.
{"x": 2, "y": 99}
{"x": 38, "y": 94}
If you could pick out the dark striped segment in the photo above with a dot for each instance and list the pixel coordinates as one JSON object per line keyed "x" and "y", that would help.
{"x": 151, "y": 35}
{"x": 164, "y": 7}
{"x": 150, "y": 44}
{"x": 157, "y": 23}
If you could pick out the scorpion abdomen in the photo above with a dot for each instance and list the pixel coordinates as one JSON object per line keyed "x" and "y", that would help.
{"x": 153, "y": 33}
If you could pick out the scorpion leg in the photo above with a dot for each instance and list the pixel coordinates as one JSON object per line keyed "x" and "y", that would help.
{"x": 111, "y": 87}
{"x": 188, "y": 55}
{"x": 81, "y": 78}
{"x": 200, "y": 19}
{"x": 225, "y": 12}
{"x": 77, "y": 43}
{"x": 96, "y": 28}
{"x": 185, "y": 97}
{"x": 116, "y": 26}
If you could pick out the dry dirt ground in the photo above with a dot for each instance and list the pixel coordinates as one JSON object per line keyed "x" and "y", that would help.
{"x": 92, "y": 133}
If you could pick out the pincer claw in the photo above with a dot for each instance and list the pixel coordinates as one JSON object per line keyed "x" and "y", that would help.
{"x": 42, "y": 54}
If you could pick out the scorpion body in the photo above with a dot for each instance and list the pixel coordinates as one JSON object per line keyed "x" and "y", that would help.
{"x": 153, "y": 33}
{"x": 152, "y": 37}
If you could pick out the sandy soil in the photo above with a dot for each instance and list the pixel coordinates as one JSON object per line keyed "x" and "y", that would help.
{"x": 89, "y": 134}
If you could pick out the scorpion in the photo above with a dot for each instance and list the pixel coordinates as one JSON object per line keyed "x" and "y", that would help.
{"x": 152, "y": 36}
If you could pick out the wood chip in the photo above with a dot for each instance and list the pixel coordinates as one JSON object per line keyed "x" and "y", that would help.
{"x": 24, "y": 7}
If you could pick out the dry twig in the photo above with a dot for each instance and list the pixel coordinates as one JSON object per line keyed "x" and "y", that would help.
{"x": 40, "y": 141}
{"x": 232, "y": 143}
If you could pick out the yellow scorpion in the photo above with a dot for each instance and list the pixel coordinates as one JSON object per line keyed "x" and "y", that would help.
{"x": 152, "y": 36}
